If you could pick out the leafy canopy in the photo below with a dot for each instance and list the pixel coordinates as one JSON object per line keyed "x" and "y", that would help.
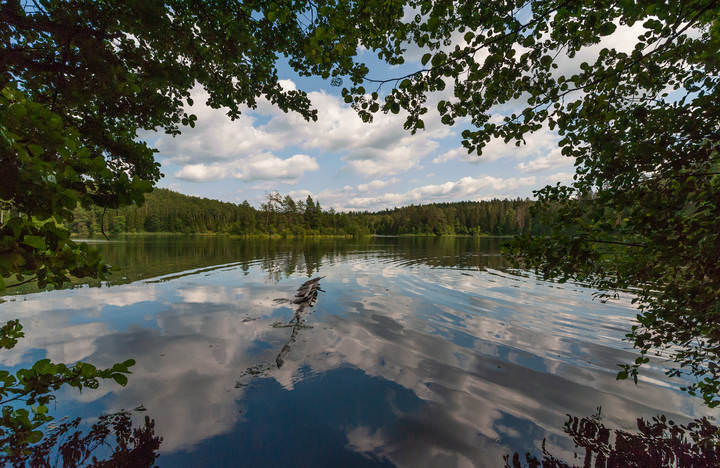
{"x": 35, "y": 388}
{"x": 80, "y": 79}
{"x": 642, "y": 211}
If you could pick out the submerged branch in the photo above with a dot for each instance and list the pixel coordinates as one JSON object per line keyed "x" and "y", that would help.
{"x": 305, "y": 298}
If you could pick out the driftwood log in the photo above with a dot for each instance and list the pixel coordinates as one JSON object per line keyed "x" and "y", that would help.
{"x": 305, "y": 298}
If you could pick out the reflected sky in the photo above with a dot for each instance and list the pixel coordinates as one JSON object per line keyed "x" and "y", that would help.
{"x": 419, "y": 352}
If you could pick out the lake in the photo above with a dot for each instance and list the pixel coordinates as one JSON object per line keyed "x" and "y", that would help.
{"x": 419, "y": 352}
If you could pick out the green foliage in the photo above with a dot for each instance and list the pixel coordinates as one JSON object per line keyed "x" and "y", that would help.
{"x": 167, "y": 211}
{"x": 642, "y": 126}
{"x": 40, "y": 159}
{"x": 658, "y": 442}
{"x": 80, "y": 79}
{"x": 21, "y": 426}
{"x": 65, "y": 445}
{"x": 10, "y": 333}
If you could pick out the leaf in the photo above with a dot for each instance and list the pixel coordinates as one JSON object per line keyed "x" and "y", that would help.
{"x": 34, "y": 437}
{"x": 35, "y": 150}
{"x": 607, "y": 28}
{"x": 120, "y": 379}
{"x": 37, "y": 242}
{"x": 88, "y": 370}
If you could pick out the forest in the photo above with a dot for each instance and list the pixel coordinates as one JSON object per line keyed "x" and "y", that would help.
{"x": 168, "y": 211}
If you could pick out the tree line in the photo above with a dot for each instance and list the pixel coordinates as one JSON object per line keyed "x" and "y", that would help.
{"x": 168, "y": 211}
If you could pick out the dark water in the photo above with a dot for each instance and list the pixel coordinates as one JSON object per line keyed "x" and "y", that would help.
{"x": 419, "y": 352}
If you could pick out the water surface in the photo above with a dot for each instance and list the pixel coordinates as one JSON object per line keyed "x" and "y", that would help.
{"x": 419, "y": 352}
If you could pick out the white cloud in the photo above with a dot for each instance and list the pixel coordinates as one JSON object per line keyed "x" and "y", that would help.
{"x": 623, "y": 39}
{"x": 562, "y": 177}
{"x": 376, "y": 184}
{"x": 269, "y": 167}
{"x": 287, "y": 85}
{"x": 466, "y": 188}
{"x": 256, "y": 146}
{"x": 455, "y": 153}
{"x": 264, "y": 166}
{"x": 215, "y": 137}
{"x": 300, "y": 194}
{"x": 552, "y": 160}
{"x": 201, "y": 172}
{"x": 537, "y": 144}
{"x": 382, "y": 147}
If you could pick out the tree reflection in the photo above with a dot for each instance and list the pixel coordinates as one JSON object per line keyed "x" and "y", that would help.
{"x": 29, "y": 435}
{"x": 66, "y": 445}
{"x": 658, "y": 443}
{"x": 143, "y": 257}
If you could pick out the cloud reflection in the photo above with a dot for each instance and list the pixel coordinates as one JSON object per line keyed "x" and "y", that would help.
{"x": 492, "y": 366}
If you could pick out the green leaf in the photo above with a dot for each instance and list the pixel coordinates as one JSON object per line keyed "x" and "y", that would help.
{"x": 37, "y": 242}
{"x": 120, "y": 379}
{"x": 607, "y": 28}
{"x": 35, "y": 150}
{"x": 34, "y": 437}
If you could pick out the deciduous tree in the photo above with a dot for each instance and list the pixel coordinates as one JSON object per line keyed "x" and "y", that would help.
{"x": 642, "y": 127}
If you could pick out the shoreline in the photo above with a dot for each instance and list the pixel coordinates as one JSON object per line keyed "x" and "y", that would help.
{"x": 121, "y": 235}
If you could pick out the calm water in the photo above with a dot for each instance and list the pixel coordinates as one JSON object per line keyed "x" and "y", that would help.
{"x": 419, "y": 352}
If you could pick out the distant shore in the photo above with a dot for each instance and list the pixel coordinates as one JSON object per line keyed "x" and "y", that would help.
{"x": 117, "y": 235}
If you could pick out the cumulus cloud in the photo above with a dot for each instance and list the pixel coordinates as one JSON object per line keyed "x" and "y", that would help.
{"x": 269, "y": 167}
{"x": 287, "y": 85}
{"x": 376, "y": 184}
{"x": 462, "y": 189}
{"x": 552, "y": 160}
{"x": 299, "y": 194}
{"x": 201, "y": 172}
{"x": 218, "y": 145}
{"x": 537, "y": 144}
{"x": 382, "y": 147}
{"x": 466, "y": 188}
{"x": 562, "y": 177}
{"x": 623, "y": 39}
{"x": 256, "y": 146}
{"x": 215, "y": 137}
{"x": 455, "y": 153}
{"x": 264, "y": 166}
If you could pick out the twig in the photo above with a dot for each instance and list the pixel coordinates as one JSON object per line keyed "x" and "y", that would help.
{"x": 102, "y": 224}
{"x": 29, "y": 280}
{"x": 629, "y": 244}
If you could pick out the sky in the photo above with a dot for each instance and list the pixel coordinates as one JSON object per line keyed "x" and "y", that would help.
{"x": 346, "y": 164}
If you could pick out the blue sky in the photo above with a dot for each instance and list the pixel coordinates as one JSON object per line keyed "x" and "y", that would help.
{"x": 350, "y": 165}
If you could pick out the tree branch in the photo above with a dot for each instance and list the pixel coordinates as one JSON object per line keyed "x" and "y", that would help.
{"x": 29, "y": 280}
{"x": 472, "y": 51}
{"x": 628, "y": 244}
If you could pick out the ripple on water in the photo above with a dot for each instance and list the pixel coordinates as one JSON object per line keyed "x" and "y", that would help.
{"x": 418, "y": 353}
